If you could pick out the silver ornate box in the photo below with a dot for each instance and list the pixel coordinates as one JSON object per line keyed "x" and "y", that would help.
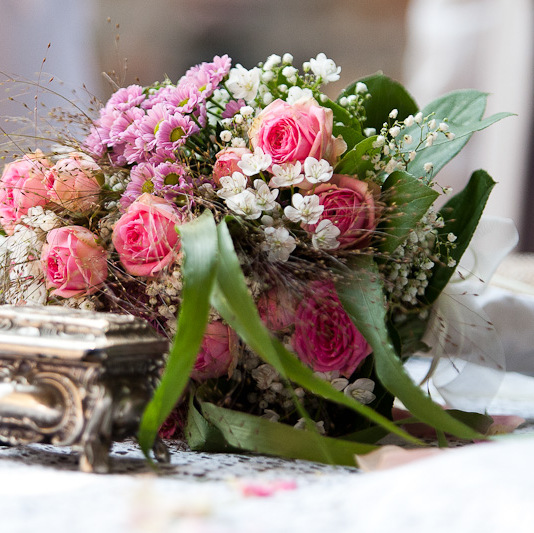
{"x": 76, "y": 378}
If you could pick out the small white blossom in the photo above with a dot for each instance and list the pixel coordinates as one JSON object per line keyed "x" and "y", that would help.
{"x": 409, "y": 120}
{"x": 412, "y": 155}
{"x": 226, "y": 136}
{"x": 325, "y": 235}
{"x": 369, "y": 132}
{"x": 246, "y": 111}
{"x": 408, "y": 139}
{"x": 267, "y": 220}
{"x": 238, "y": 118}
{"x": 443, "y": 126}
{"x": 306, "y": 209}
{"x": 343, "y": 101}
{"x": 267, "y": 98}
{"x": 265, "y": 197}
{"x": 267, "y": 76}
{"x": 278, "y": 244}
{"x": 282, "y": 88}
{"x": 306, "y": 66}
{"x": 325, "y": 68}
{"x": 379, "y": 142}
{"x": 317, "y": 171}
{"x": 232, "y": 185}
{"x": 450, "y": 135}
{"x": 394, "y": 114}
{"x": 430, "y": 138}
{"x": 244, "y": 204}
{"x": 243, "y": 83}
{"x": 255, "y": 163}
{"x": 432, "y": 124}
{"x": 289, "y": 71}
{"x": 286, "y": 175}
{"x": 451, "y": 237}
{"x": 287, "y": 59}
{"x": 294, "y": 94}
{"x": 428, "y": 167}
{"x": 394, "y": 131}
{"x": 418, "y": 117}
{"x": 361, "y": 87}
{"x": 272, "y": 61}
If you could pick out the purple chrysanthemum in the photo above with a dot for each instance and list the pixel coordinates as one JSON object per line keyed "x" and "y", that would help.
{"x": 141, "y": 181}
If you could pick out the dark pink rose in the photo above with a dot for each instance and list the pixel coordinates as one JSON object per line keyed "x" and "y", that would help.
{"x": 226, "y": 163}
{"x": 325, "y": 337}
{"x": 277, "y": 309}
{"x": 351, "y": 205}
{"x": 291, "y": 133}
{"x": 217, "y": 354}
{"x": 22, "y": 186}
{"x": 73, "y": 263}
{"x": 145, "y": 236}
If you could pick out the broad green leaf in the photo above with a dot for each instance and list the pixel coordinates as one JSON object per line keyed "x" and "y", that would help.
{"x": 386, "y": 95}
{"x": 259, "y": 435}
{"x": 199, "y": 246}
{"x": 352, "y": 135}
{"x": 407, "y": 199}
{"x": 341, "y": 115}
{"x": 461, "y": 214}
{"x": 463, "y": 111}
{"x": 362, "y": 296}
{"x": 358, "y": 160}
{"x": 232, "y": 300}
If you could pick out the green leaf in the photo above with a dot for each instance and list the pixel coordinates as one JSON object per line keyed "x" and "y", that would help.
{"x": 199, "y": 246}
{"x": 255, "y": 434}
{"x": 358, "y": 160}
{"x": 352, "y": 135}
{"x": 341, "y": 114}
{"x": 232, "y": 300}
{"x": 461, "y": 214}
{"x": 362, "y": 296}
{"x": 408, "y": 199}
{"x": 463, "y": 110}
{"x": 386, "y": 95}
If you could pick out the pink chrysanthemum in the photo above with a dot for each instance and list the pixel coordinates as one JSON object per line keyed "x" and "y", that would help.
{"x": 122, "y": 122}
{"x": 219, "y": 68}
{"x": 126, "y": 98}
{"x": 171, "y": 182}
{"x": 183, "y": 98}
{"x": 142, "y": 180}
{"x": 173, "y": 131}
{"x": 233, "y": 107}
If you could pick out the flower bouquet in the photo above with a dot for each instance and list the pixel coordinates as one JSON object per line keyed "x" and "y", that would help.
{"x": 284, "y": 242}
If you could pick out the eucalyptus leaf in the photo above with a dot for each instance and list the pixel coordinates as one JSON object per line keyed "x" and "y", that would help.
{"x": 461, "y": 214}
{"x": 386, "y": 95}
{"x": 407, "y": 199}
{"x": 362, "y": 296}
{"x": 232, "y": 300}
{"x": 255, "y": 434}
{"x": 199, "y": 247}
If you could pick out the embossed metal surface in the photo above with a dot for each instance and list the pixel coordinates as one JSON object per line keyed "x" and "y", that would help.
{"x": 76, "y": 378}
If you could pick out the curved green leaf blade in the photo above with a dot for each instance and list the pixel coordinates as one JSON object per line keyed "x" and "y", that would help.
{"x": 232, "y": 300}
{"x": 259, "y": 435}
{"x": 408, "y": 199}
{"x": 362, "y": 297}
{"x": 461, "y": 214}
{"x": 358, "y": 160}
{"x": 199, "y": 245}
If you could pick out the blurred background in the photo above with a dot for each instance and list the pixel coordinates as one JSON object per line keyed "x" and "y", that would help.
{"x": 431, "y": 46}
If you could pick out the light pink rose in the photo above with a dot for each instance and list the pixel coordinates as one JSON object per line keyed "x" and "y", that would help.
{"x": 351, "y": 205}
{"x": 277, "y": 309}
{"x": 73, "y": 184}
{"x": 226, "y": 163}
{"x": 73, "y": 263}
{"x": 217, "y": 354}
{"x": 291, "y": 133}
{"x": 22, "y": 186}
{"x": 325, "y": 337}
{"x": 145, "y": 236}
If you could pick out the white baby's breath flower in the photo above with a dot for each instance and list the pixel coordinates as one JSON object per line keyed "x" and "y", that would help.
{"x": 361, "y": 87}
{"x": 394, "y": 113}
{"x": 325, "y": 68}
{"x": 306, "y": 209}
{"x": 286, "y": 175}
{"x": 317, "y": 171}
{"x": 226, "y": 136}
{"x": 243, "y": 83}
{"x": 289, "y": 71}
{"x": 246, "y": 111}
{"x": 409, "y": 121}
{"x": 394, "y": 131}
{"x": 379, "y": 142}
{"x": 418, "y": 118}
{"x": 272, "y": 61}
{"x": 294, "y": 94}
{"x": 278, "y": 244}
{"x": 244, "y": 204}
{"x": 267, "y": 98}
{"x": 369, "y": 132}
{"x": 232, "y": 185}
{"x": 325, "y": 236}
{"x": 287, "y": 59}
{"x": 428, "y": 167}
{"x": 265, "y": 197}
{"x": 255, "y": 163}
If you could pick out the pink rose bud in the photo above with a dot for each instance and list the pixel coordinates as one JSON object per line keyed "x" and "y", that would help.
{"x": 145, "y": 236}
{"x": 226, "y": 163}
{"x": 217, "y": 354}
{"x": 291, "y": 133}
{"x": 72, "y": 183}
{"x": 22, "y": 186}
{"x": 351, "y": 205}
{"x": 73, "y": 263}
{"x": 325, "y": 338}
{"x": 277, "y": 309}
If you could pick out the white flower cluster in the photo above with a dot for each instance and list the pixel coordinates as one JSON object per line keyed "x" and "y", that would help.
{"x": 408, "y": 272}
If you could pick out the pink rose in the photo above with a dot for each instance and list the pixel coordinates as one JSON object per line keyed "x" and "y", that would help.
{"x": 351, "y": 206}
{"x": 72, "y": 183}
{"x": 22, "y": 186}
{"x": 73, "y": 263}
{"x": 217, "y": 354}
{"x": 145, "y": 236}
{"x": 291, "y": 133}
{"x": 325, "y": 337}
{"x": 277, "y": 309}
{"x": 226, "y": 163}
